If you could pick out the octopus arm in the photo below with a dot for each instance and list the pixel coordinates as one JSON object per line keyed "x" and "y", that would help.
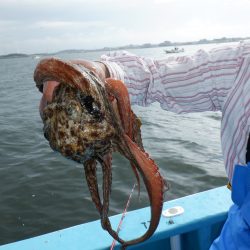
{"x": 91, "y": 178}
{"x": 118, "y": 89}
{"x": 154, "y": 185}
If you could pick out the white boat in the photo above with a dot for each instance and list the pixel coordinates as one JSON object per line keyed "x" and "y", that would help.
{"x": 175, "y": 50}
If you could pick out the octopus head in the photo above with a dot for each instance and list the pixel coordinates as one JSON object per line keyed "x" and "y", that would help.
{"x": 77, "y": 124}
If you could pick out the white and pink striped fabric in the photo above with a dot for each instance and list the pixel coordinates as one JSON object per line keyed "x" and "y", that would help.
{"x": 218, "y": 80}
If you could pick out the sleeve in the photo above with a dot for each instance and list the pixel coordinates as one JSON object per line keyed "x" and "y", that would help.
{"x": 181, "y": 84}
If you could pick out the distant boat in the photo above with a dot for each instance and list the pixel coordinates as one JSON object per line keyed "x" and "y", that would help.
{"x": 174, "y": 50}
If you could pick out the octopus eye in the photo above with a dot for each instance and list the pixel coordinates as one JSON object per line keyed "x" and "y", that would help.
{"x": 88, "y": 102}
{"x": 69, "y": 110}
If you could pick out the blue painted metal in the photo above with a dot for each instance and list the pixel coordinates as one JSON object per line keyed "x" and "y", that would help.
{"x": 197, "y": 227}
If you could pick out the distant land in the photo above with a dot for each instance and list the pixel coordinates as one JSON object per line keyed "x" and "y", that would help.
{"x": 14, "y": 55}
{"x": 131, "y": 46}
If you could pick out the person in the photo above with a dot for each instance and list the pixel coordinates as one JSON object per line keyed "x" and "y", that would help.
{"x": 217, "y": 80}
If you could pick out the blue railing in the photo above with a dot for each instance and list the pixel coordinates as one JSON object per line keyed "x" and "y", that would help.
{"x": 195, "y": 229}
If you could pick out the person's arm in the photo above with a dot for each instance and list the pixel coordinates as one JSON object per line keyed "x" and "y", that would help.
{"x": 206, "y": 81}
{"x": 180, "y": 84}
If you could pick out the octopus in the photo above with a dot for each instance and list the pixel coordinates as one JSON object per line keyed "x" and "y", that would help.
{"x": 86, "y": 121}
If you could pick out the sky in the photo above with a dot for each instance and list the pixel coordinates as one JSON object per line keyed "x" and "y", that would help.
{"x": 44, "y": 26}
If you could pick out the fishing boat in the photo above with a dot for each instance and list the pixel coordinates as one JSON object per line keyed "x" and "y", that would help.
{"x": 174, "y": 50}
{"x": 187, "y": 223}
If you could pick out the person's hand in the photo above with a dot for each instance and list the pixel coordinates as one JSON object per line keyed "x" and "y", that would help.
{"x": 98, "y": 68}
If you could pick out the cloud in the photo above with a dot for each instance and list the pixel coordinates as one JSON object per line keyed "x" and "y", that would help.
{"x": 37, "y": 26}
{"x": 70, "y": 24}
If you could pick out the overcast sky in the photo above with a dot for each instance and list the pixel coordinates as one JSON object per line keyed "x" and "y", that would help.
{"x": 30, "y": 26}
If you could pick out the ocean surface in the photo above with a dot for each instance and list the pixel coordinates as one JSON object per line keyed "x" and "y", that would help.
{"x": 40, "y": 191}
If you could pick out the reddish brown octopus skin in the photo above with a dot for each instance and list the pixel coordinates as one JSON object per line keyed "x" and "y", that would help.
{"x": 84, "y": 125}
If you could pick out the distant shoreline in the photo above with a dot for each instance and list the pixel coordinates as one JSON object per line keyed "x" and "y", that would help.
{"x": 131, "y": 46}
{"x": 14, "y": 55}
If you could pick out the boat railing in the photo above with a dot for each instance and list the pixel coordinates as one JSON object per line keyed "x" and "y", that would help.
{"x": 194, "y": 229}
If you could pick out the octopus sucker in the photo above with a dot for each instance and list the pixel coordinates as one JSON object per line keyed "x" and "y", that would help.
{"x": 86, "y": 121}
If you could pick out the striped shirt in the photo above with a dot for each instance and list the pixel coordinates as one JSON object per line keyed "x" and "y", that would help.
{"x": 217, "y": 80}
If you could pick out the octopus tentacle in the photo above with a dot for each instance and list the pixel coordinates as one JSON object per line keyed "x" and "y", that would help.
{"x": 120, "y": 92}
{"x": 107, "y": 181}
{"x": 126, "y": 115}
{"x": 90, "y": 174}
{"x": 53, "y": 69}
{"x": 154, "y": 185}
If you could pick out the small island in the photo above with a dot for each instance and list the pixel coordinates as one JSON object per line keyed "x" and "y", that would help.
{"x": 14, "y": 55}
